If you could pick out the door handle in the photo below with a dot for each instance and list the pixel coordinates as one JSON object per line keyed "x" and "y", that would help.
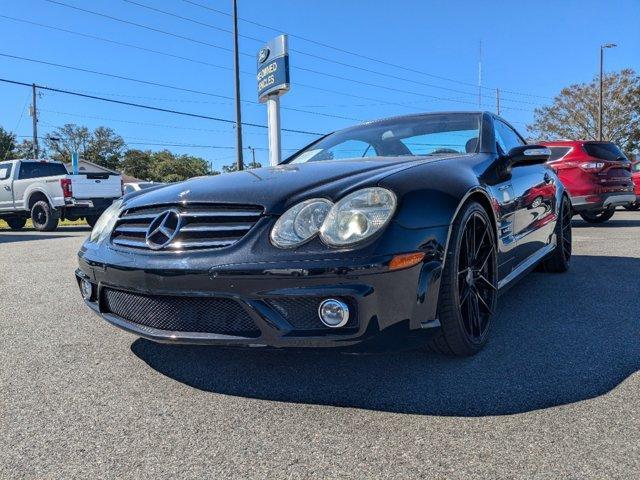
{"x": 7, "y": 188}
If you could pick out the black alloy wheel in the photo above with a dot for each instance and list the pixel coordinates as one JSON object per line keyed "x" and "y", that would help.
{"x": 560, "y": 259}
{"x": 469, "y": 286}
{"x": 476, "y": 281}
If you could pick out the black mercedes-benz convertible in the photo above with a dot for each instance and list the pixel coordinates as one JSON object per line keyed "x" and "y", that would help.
{"x": 395, "y": 232}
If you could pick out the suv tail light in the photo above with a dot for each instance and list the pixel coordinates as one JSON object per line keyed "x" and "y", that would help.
{"x": 592, "y": 167}
{"x": 65, "y": 183}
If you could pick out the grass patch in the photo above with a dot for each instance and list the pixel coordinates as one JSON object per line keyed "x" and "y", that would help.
{"x": 62, "y": 223}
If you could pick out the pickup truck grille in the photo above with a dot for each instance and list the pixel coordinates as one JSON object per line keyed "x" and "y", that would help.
{"x": 188, "y": 227}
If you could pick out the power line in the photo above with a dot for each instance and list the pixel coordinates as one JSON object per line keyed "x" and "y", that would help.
{"x": 365, "y": 57}
{"x": 315, "y": 72}
{"x": 163, "y": 85}
{"x": 148, "y": 107}
{"x": 367, "y": 70}
{"x": 149, "y": 124}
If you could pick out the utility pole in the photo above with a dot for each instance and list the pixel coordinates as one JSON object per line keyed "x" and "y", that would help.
{"x": 480, "y": 76}
{"x": 602, "y": 47}
{"x": 34, "y": 116}
{"x": 498, "y": 101}
{"x": 253, "y": 156}
{"x": 236, "y": 59}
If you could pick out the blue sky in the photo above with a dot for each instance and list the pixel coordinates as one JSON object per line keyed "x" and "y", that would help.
{"x": 530, "y": 50}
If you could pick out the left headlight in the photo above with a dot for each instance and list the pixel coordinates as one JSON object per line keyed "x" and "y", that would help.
{"x": 358, "y": 216}
{"x": 105, "y": 223}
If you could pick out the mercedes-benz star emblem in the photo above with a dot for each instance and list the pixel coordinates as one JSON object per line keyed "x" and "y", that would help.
{"x": 263, "y": 54}
{"x": 163, "y": 229}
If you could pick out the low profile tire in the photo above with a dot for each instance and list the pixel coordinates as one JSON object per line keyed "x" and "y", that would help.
{"x": 16, "y": 223}
{"x": 91, "y": 220}
{"x": 469, "y": 285}
{"x": 600, "y": 216}
{"x": 633, "y": 206}
{"x": 43, "y": 217}
{"x": 560, "y": 259}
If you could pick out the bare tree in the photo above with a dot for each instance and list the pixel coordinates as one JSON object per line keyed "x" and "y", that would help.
{"x": 574, "y": 112}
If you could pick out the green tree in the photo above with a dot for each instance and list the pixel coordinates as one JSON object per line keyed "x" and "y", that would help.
{"x": 25, "y": 150}
{"x": 137, "y": 163}
{"x": 67, "y": 139}
{"x": 102, "y": 146}
{"x": 169, "y": 167}
{"x": 7, "y": 144}
{"x": 233, "y": 167}
{"x": 105, "y": 147}
{"x": 574, "y": 112}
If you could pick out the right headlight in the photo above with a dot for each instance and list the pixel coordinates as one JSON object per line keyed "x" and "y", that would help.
{"x": 106, "y": 222}
{"x": 300, "y": 223}
{"x": 358, "y": 216}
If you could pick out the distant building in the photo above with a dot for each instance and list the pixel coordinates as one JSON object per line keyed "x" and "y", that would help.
{"x": 85, "y": 166}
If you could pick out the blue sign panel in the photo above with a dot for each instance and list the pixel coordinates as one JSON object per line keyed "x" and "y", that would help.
{"x": 273, "y": 76}
{"x": 273, "y": 68}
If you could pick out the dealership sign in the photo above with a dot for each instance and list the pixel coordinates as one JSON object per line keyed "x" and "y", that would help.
{"x": 273, "y": 68}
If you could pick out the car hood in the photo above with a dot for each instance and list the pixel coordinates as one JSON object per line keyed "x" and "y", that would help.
{"x": 277, "y": 188}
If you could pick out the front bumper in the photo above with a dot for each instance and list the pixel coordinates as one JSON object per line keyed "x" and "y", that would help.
{"x": 602, "y": 201}
{"x": 390, "y": 308}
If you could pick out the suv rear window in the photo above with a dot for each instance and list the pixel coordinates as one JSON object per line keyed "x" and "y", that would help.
{"x": 558, "y": 152}
{"x": 41, "y": 169}
{"x": 605, "y": 151}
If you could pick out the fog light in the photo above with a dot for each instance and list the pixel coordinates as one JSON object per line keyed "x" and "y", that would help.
{"x": 87, "y": 289}
{"x": 333, "y": 313}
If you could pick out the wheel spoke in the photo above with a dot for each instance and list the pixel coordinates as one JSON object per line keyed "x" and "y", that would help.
{"x": 486, "y": 258}
{"x": 484, "y": 303}
{"x": 476, "y": 313}
{"x": 465, "y": 295}
{"x": 484, "y": 280}
{"x": 484, "y": 235}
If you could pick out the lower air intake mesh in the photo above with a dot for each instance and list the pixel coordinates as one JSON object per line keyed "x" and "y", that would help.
{"x": 222, "y": 316}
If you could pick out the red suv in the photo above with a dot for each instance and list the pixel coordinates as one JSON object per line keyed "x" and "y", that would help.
{"x": 635, "y": 174}
{"x": 596, "y": 174}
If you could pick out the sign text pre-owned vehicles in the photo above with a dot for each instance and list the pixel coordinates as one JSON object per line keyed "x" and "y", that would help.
{"x": 405, "y": 228}
{"x": 45, "y": 192}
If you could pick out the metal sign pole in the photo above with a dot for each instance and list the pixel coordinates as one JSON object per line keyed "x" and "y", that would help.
{"x": 273, "y": 81}
{"x": 273, "y": 112}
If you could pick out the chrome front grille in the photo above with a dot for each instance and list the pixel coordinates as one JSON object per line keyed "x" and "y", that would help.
{"x": 200, "y": 226}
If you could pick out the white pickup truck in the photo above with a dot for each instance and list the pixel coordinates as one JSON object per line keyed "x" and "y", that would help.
{"x": 44, "y": 191}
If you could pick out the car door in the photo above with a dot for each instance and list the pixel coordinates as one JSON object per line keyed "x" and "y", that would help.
{"x": 6, "y": 189}
{"x": 534, "y": 189}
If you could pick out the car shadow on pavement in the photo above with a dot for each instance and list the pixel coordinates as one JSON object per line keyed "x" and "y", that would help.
{"x": 30, "y": 234}
{"x": 21, "y": 237}
{"x": 557, "y": 339}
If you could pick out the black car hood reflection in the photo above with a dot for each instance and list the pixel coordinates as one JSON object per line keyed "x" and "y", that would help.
{"x": 277, "y": 188}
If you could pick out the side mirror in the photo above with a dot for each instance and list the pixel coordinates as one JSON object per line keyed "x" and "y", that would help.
{"x": 529, "y": 155}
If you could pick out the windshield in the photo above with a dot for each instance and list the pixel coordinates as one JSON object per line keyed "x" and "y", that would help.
{"x": 434, "y": 134}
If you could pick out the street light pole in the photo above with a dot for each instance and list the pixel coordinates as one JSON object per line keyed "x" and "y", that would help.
{"x": 602, "y": 47}
{"x": 237, "y": 83}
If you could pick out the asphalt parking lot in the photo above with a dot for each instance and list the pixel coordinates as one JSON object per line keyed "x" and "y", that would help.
{"x": 556, "y": 393}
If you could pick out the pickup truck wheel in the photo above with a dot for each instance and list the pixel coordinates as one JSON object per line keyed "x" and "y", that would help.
{"x": 43, "y": 217}
{"x": 92, "y": 219}
{"x": 16, "y": 223}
